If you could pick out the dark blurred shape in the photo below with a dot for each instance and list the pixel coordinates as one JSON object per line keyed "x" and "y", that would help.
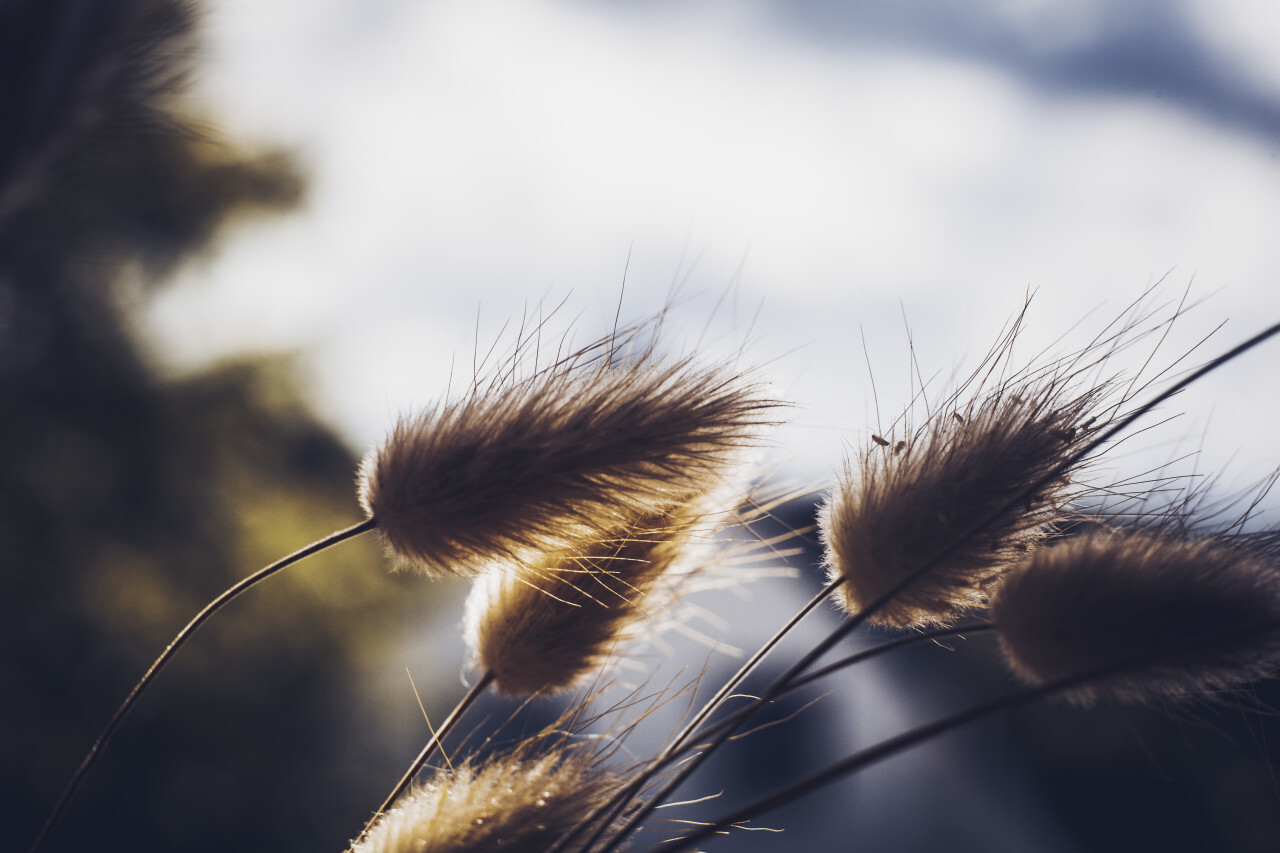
{"x": 76, "y": 68}
{"x": 127, "y": 501}
{"x": 92, "y": 152}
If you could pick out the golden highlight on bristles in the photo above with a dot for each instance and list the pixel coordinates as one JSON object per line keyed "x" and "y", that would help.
{"x": 550, "y": 627}
{"x": 1200, "y": 615}
{"x": 895, "y": 508}
{"x": 519, "y": 468}
{"x": 522, "y": 802}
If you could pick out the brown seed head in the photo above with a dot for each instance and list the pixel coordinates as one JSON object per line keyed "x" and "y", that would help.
{"x": 521, "y": 468}
{"x": 549, "y": 627}
{"x": 1198, "y": 614}
{"x": 892, "y": 511}
{"x": 522, "y": 802}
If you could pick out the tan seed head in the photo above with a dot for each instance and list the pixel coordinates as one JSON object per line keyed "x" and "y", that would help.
{"x": 1199, "y": 615}
{"x": 521, "y": 468}
{"x": 521, "y": 802}
{"x": 551, "y": 626}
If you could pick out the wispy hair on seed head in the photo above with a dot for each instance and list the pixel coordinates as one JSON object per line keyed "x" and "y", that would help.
{"x": 522, "y": 800}
{"x": 524, "y": 464}
{"x": 908, "y": 497}
{"x": 550, "y": 626}
{"x": 546, "y": 627}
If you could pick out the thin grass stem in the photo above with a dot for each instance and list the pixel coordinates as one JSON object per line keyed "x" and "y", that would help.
{"x": 620, "y": 801}
{"x": 178, "y": 641}
{"x": 432, "y": 745}
{"x": 844, "y": 663}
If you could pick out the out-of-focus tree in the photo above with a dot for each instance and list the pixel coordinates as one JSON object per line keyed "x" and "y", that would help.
{"x": 128, "y": 500}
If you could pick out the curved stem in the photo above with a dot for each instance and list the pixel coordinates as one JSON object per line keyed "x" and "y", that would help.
{"x": 432, "y": 745}
{"x": 749, "y": 667}
{"x": 178, "y": 641}
{"x": 890, "y": 645}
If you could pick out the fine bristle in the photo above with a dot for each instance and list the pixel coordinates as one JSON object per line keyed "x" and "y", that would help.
{"x": 925, "y": 519}
{"x": 549, "y": 627}
{"x": 524, "y": 467}
{"x": 895, "y": 509}
{"x": 1195, "y": 615}
{"x": 522, "y": 802}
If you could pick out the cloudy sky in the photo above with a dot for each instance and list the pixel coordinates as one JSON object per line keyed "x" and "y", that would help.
{"x": 802, "y": 172}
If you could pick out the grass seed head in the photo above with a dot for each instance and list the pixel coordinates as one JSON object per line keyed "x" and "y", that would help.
{"x": 895, "y": 509}
{"x": 518, "y": 468}
{"x": 549, "y": 627}
{"x": 522, "y": 802}
{"x": 1198, "y": 615}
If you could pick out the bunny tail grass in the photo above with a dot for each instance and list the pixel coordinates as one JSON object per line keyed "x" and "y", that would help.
{"x": 897, "y": 506}
{"x": 547, "y": 628}
{"x": 898, "y": 503}
{"x": 522, "y": 467}
{"x": 521, "y": 801}
{"x": 1097, "y": 597}
{"x": 178, "y": 641}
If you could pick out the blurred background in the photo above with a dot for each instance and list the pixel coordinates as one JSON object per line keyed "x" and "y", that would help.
{"x": 238, "y": 238}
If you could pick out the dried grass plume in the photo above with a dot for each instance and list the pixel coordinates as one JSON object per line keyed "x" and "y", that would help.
{"x": 917, "y": 493}
{"x": 549, "y": 627}
{"x": 899, "y": 505}
{"x": 522, "y": 802}
{"x": 520, "y": 467}
{"x": 1200, "y": 615}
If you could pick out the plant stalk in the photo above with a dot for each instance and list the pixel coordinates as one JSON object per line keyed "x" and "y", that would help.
{"x": 178, "y": 641}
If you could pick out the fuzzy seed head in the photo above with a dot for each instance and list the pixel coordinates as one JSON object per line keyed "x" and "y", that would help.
{"x": 1202, "y": 614}
{"x": 519, "y": 803}
{"x": 521, "y": 468}
{"x": 549, "y": 627}
{"x": 895, "y": 509}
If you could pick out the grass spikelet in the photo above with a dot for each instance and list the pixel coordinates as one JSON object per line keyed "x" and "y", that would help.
{"x": 549, "y": 627}
{"x": 895, "y": 508}
{"x": 521, "y": 467}
{"x": 1005, "y": 433}
{"x": 1202, "y": 614}
{"x": 522, "y": 802}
